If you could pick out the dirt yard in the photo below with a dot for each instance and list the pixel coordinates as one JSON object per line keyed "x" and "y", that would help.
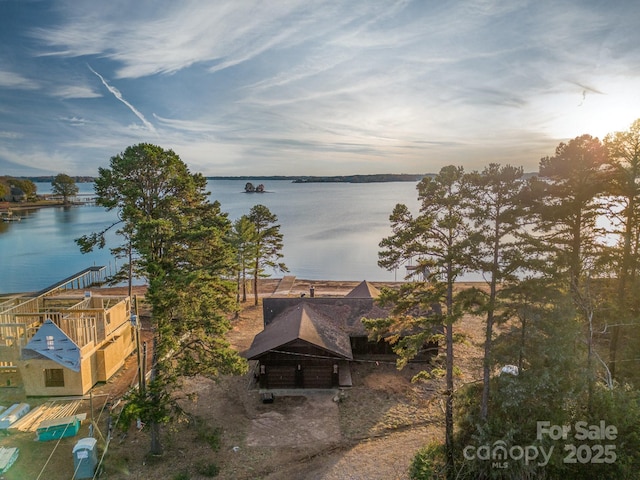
{"x": 370, "y": 431}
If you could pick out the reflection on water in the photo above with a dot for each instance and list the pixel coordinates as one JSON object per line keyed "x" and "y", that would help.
{"x": 66, "y": 214}
{"x": 331, "y": 231}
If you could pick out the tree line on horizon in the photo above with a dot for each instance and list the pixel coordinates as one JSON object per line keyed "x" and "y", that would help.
{"x": 27, "y": 187}
{"x": 61, "y": 184}
{"x": 559, "y": 253}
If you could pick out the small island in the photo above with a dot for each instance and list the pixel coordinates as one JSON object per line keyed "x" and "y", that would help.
{"x": 250, "y": 188}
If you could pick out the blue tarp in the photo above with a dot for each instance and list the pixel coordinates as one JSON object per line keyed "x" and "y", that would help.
{"x": 52, "y": 343}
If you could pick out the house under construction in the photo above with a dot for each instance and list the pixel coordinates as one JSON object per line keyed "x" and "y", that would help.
{"x": 64, "y": 339}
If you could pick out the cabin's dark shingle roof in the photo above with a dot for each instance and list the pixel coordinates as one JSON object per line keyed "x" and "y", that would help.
{"x": 301, "y": 322}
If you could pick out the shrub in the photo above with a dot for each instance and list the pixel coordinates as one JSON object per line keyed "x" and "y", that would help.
{"x": 428, "y": 463}
{"x": 210, "y": 435}
{"x": 208, "y": 469}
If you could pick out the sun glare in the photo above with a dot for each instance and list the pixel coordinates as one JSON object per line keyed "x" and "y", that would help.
{"x": 587, "y": 112}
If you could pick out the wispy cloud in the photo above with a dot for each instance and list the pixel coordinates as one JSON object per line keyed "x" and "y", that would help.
{"x": 10, "y": 135}
{"x": 116, "y": 93}
{"x": 333, "y": 86}
{"x": 14, "y": 80}
{"x": 193, "y": 126}
{"x": 75, "y": 121}
{"x": 75, "y": 91}
{"x": 39, "y": 159}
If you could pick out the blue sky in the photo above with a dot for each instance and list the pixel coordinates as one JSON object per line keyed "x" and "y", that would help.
{"x": 241, "y": 87}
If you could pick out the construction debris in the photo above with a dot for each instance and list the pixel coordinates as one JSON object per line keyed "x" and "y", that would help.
{"x": 51, "y": 410}
{"x": 14, "y": 413}
{"x": 7, "y": 458}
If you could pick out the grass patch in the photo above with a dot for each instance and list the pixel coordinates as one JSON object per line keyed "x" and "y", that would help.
{"x": 212, "y": 436}
{"x": 208, "y": 470}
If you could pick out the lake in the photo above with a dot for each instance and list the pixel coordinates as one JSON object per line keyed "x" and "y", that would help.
{"x": 331, "y": 231}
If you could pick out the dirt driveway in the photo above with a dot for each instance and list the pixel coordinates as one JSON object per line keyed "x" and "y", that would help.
{"x": 312, "y": 419}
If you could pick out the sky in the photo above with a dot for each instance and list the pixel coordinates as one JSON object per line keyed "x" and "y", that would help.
{"x": 304, "y": 87}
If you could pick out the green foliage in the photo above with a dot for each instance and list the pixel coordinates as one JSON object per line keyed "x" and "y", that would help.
{"x": 567, "y": 205}
{"x": 423, "y": 376}
{"x": 552, "y": 388}
{"x": 439, "y": 241}
{"x": 208, "y": 470}
{"x": 494, "y": 207}
{"x": 433, "y": 374}
{"x": 627, "y": 370}
{"x": 493, "y": 204}
{"x": 267, "y": 244}
{"x": 623, "y": 168}
{"x": 620, "y": 408}
{"x": 182, "y": 246}
{"x": 27, "y": 186}
{"x": 413, "y": 322}
{"x": 182, "y": 476}
{"x": 64, "y": 186}
{"x": 428, "y": 463}
{"x": 521, "y": 407}
{"x": 243, "y": 238}
{"x": 560, "y": 294}
{"x": 152, "y": 405}
{"x": 212, "y": 436}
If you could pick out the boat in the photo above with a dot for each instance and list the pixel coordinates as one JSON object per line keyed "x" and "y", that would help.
{"x": 8, "y": 217}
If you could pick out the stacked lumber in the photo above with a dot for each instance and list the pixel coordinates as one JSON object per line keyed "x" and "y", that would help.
{"x": 47, "y": 411}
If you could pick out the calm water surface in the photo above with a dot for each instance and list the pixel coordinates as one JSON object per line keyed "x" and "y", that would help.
{"x": 331, "y": 231}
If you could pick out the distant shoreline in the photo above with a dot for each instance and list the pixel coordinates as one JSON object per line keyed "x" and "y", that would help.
{"x": 268, "y": 286}
{"x": 370, "y": 178}
{"x": 357, "y": 178}
{"x": 6, "y": 207}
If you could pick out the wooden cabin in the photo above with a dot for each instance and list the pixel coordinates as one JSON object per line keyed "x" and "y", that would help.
{"x": 309, "y": 342}
{"x": 300, "y": 349}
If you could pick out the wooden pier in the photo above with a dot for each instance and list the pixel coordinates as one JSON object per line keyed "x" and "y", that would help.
{"x": 89, "y": 277}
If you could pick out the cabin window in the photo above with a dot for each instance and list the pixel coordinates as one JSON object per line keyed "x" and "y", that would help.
{"x": 54, "y": 377}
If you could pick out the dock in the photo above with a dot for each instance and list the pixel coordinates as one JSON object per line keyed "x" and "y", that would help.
{"x": 86, "y": 278}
